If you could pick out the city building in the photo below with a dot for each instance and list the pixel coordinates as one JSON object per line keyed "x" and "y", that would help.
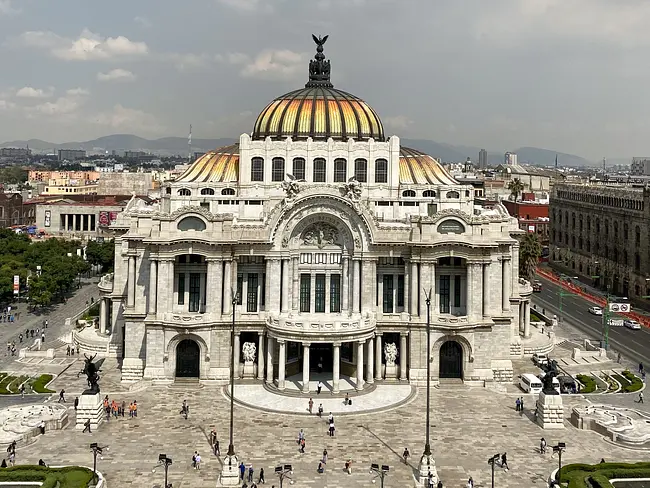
{"x": 532, "y": 215}
{"x": 15, "y": 152}
{"x": 640, "y": 167}
{"x": 11, "y": 209}
{"x": 80, "y": 189}
{"x": 71, "y": 154}
{"x": 601, "y": 233}
{"x": 124, "y": 183}
{"x": 326, "y": 236}
{"x": 482, "y": 159}
{"x": 510, "y": 158}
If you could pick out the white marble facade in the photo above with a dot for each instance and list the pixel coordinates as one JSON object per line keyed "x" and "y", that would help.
{"x": 327, "y": 267}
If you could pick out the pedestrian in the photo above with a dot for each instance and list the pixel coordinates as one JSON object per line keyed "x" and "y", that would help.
{"x": 325, "y": 456}
{"x": 319, "y": 387}
{"x": 311, "y": 405}
{"x": 332, "y": 429}
{"x": 504, "y": 461}
{"x": 517, "y": 405}
{"x": 194, "y": 460}
{"x": 521, "y": 404}
{"x": 320, "y": 410}
{"x": 470, "y": 483}
{"x": 641, "y": 397}
{"x": 78, "y": 354}
{"x": 640, "y": 367}
{"x": 250, "y": 473}
{"x": 67, "y": 351}
{"x": 46, "y": 324}
{"x": 618, "y": 358}
{"x": 20, "y": 337}
{"x": 76, "y": 403}
{"x": 61, "y": 396}
{"x": 198, "y": 461}
{"x": 302, "y": 445}
{"x": 242, "y": 470}
{"x": 301, "y": 435}
{"x": 12, "y": 458}
{"x": 217, "y": 451}
{"x": 261, "y": 480}
{"x": 43, "y": 337}
{"x": 542, "y": 446}
{"x": 87, "y": 427}
{"x": 406, "y": 454}
{"x": 346, "y": 400}
{"x": 330, "y": 418}
{"x": 123, "y": 407}
{"x": 135, "y": 408}
{"x": 22, "y": 390}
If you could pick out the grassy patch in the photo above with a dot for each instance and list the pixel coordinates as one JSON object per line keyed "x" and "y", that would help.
{"x": 40, "y": 383}
{"x": 588, "y": 382}
{"x": 70, "y": 477}
{"x": 634, "y": 382}
{"x": 4, "y": 383}
{"x": 14, "y": 387}
{"x": 598, "y": 475}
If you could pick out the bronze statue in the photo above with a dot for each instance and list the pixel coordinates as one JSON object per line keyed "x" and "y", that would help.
{"x": 319, "y": 68}
{"x": 549, "y": 388}
{"x": 319, "y": 41}
{"x": 91, "y": 370}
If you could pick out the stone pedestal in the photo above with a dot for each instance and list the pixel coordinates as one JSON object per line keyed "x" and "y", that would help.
{"x": 249, "y": 369}
{"x": 230, "y": 472}
{"x": 550, "y": 411}
{"x": 391, "y": 371}
{"x": 428, "y": 465}
{"x": 90, "y": 407}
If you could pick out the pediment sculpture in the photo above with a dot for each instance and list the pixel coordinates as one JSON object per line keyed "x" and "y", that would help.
{"x": 290, "y": 187}
{"x": 249, "y": 351}
{"x": 390, "y": 353}
{"x": 352, "y": 189}
{"x": 320, "y": 235}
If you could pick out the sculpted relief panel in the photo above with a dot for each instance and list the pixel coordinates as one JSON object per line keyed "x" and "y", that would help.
{"x": 321, "y": 235}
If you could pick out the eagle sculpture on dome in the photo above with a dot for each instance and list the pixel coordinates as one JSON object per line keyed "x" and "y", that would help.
{"x": 319, "y": 40}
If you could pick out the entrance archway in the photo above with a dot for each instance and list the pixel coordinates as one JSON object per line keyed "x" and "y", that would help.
{"x": 187, "y": 359}
{"x": 451, "y": 360}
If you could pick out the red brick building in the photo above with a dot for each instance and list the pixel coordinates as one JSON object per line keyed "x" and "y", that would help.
{"x": 532, "y": 215}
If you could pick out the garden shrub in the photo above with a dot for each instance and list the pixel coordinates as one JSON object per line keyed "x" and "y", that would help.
{"x": 39, "y": 385}
{"x": 68, "y": 477}
{"x": 635, "y": 383}
{"x": 589, "y": 384}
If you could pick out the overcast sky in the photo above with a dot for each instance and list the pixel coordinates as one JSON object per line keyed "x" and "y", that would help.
{"x": 568, "y": 75}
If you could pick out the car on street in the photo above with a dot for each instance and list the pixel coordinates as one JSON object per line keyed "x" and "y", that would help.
{"x": 595, "y": 310}
{"x": 632, "y": 324}
{"x": 537, "y": 286}
{"x": 540, "y": 359}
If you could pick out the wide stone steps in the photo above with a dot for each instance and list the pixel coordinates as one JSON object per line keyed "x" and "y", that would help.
{"x": 367, "y": 388}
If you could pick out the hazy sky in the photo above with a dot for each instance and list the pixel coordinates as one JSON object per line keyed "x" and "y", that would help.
{"x": 569, "y": 75}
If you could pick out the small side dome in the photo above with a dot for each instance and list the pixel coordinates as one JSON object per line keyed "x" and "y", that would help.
{"x": 218, "y": 166}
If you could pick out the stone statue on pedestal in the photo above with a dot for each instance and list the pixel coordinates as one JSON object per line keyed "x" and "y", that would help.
{"x": 249, "y": 351}
{"x": 390, "y": 353}
{"x": 91, "y": 370}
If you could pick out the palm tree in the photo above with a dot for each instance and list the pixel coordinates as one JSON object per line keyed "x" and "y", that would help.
{"x": 516, "y": 187}
{"x": 530, "y": 250}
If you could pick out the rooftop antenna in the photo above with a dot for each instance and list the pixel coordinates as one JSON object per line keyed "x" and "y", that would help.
{"x": 189, "y": 146}
{"x": 556, "y": 163}
{"x": 604, "y": 164}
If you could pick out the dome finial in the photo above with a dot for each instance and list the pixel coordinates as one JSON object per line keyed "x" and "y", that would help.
{"x": 319, "y": 68}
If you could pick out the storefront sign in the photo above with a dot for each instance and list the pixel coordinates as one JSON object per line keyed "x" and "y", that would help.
{"x": 451, "y": 227}
{"x": 48, "y": 218}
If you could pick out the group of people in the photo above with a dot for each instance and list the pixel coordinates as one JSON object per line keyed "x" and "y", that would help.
{"x": 69, "y": 350}
{"x": 248, "y": 473}
{"x": 214, "y": 443}
{"x": 8, "y": 316}
{"x": 119, "y": 409}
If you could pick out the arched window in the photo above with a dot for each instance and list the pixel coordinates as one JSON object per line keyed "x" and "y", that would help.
{"x": 467, "y": 193}
{"x": 320, "y": 170}
{"x": 340, "y": 170}
{"x": 615, "y": 230}
{"x": 277, "y": 169}
{"x": 227, "y": 191}
{"x": 191, "y": 223}
{"x": 597, "y": 226}
{"x": 637, "y": 261}
{"x": 381, "y": 171}
{"x": 168, "y": 190}
{"x": 207, "y": 191}
{"x": 625, "y": 258}
{"x": 299, "y": 168}
{"x": 637, "y": 236}
{"x": 184, "y": 192}
{"x": 626, "y": 232}
{"x": 453, "y": 194}
{"x": 361, "y": 170}
{"x": 408, "y": 193}
{"x": 257, "y": 169}
{"x": 429, "y": 194}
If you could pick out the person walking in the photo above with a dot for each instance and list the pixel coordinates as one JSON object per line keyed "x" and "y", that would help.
{"x": 67, "y": 351}
{"x": 618, "y": 357}
{"x": 320, "y": 410}
{"x": 319, "y": 387}
{"x": 76, "y": 403}
{"x": 198, "y": 461}
{"x": 123, "y": 407}
{"x": 325, "y": 456}
{"x": 504, "y": 461}
{"x": 641, "y": 397}
{"x": 470, "y": 483}
{"x": 62, "y": 396}
{"x": 242, "y": 470}
{"x": 250, "y": 473}
{"x": 302, "y": 445}
{"x": 311, "y": 405}
{"x": 332, "y": 429}
{"x": 22, "y": 390}
{"x": 542, "y": 446}
{"x": 521, "y": 404}
{"x": 261, "y": 480}
{"x": 87, "y": 427}
{"x": 517, "y": 405}
{"x": 405, "y": 455}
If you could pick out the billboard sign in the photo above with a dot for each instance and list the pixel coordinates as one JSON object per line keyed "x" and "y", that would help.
{"x": 48, "y": 218}
{"x": 16, "y": 284}
{"x": 104, "y": 219}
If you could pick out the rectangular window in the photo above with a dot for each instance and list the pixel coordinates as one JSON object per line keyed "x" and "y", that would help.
{"x": 263, "y": 297}
{"x": 400, "y": 290}
{"x": 319, "y": 170}
{"x": 195, "y": 292}
{"x": 444, "y": 293}
{"x": 456, "y": 291}
{"x": 381, "y": 171}
{"x": 299, "y": 168}
{"x": 277, "y": 169}
{"x": 361, "y": 170}
{"x": 257, "y": 169}
{"x": 319, "y": 291}
{"x": 240, "y": 288}
{"x": 340, "y": 171}
{"x": 251, "y": 295}
{"x": 388, "y": 294}
{"x": 305, "y": 293}
{"x": 335, "y": 293}
{"x": 181, "y": 289}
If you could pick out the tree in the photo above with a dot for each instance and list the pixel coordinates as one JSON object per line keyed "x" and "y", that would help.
{"x": 516, "y": 186}
{"x": 101, "y": 254}
{"x": 13, "y": 175}
{"x": 530, "y": 250}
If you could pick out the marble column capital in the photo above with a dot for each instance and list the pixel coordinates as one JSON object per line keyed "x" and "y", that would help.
{"x": 361, "y": 342}
{"x": 165, "y": 259}
{"x": 281, "y": 342}
{"x": 213, "y": 260}
{"x": 379, "y": 334}
{"x": 336, "y": 344}
{"x": 306, "y": 344}
{"x": 404, "y": 334}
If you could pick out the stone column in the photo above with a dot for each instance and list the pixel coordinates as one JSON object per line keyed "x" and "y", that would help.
{"x": 526, "y": 319}
{"x": 371, "y": 362}
{"x": 402, "y": 357}
{"x": 282, "y": 359}
{"x": 469, "y": 291}
{"x": 345, "y": 286}
{"x": 295, "y": 295}
{"x": 407, "y": 286}
{"x": 215, "y": 278}
{"x": 367, "y": 291}
{"x": 477, "y": 287}
{"x": 520, "y": 324}
{"x": 267, "y": 285}
{"x": 227, "y": 291}
{"x": 269, "y": 360}
{"x": 65, "y": 222}
{"x": 130, "y": 300}
{"x": 103, "y": 310}
{"x": 164, "y": 285}
{"x": 237, "y": 353}
{"x": 285, "y": 286}
{"x": 425, "y": 286}
{"x": 486, "y": 290}
{"x": 356, "y": 289}
{"x": 378, "y": 353}
{"x": 260, "y": 356}
{"x": 336, "y": 367}
{"x": 274, "y": 286}
{"x": 435, "y": 301}
{"x": 414, "y": 290}
{"x": 359, "y": 384}
{"x": 507, "y": 285}
{"x": 305, "y": 367}
{"x": 232, "y": 284}
{"x": 153, "y": 285}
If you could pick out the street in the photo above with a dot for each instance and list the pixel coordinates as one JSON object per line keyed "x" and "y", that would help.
{"x": 634, "y": 345}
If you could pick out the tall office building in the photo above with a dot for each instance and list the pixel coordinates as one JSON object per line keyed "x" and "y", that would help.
{"x": 482, "y": 159}
{"x": 510, "y": 158}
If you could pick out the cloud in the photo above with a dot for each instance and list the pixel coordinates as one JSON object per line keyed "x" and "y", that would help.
{"x": 29, "y": 92}
{"x": 249, "y": 6}
{"x": 125, "y": 119}
{"x": 6, "y": 8}
{"x": 397, "y": 122}
{"x": 77, "y": 92}
{"x": 189, "y": 61}
{"x": 62, "y": 106}
{"x": 274, "y": 65}
{"x": 143, "y": 21}
{"x": 117, "y": 74}
{"x": 87, "y": 47}
{"x": 5, "y": 105}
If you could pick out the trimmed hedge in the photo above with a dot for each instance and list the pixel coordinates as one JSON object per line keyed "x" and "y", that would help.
{"x": 39, "y": 385}
{"x": 635, "y": 383}
{"x": 588, "y": 382}
{"x": 4, "y": 383}
{"x": 14, "y": 387}
{"x": 598, "y": 475}
{"x": 68, "y": 477}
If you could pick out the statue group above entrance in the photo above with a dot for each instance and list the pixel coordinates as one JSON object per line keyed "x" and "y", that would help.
{"x": 321, "y": 235}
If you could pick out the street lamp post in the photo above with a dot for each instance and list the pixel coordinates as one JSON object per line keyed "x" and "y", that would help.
{"x": 492, "y": 461}
{"x": 284, "y": 471}
{"x": 97, "y": 450}
{"x": 231, "y": 446}
{"x": 380, "y": 473}
{"x": 165, "y": 462}
{"x": 560, "y": 448}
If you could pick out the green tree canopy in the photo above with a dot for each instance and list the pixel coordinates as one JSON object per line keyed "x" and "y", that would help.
{"x": 101, "y": 254}
{"x": 515, "y": 186}
{"x": 13, "y": 175}
{"x": 530, "y": 250}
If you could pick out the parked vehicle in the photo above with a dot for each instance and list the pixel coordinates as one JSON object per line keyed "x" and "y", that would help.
{"x": 632, "y": 324}
{"x": 530, "y": 383}
{"x": 595, "y": 310}
{"x": 537, "y": 286}
{"x": 540, "y": 359}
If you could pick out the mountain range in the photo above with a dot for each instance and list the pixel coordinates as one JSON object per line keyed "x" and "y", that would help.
{"x": 168, "y": 146}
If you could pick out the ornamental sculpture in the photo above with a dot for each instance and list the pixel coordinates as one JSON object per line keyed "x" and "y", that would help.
{"x": 290, "y": 187}
{"x": 321, "y": 235}
{"x": 319, "y": 68}
{"x": 91, "y": 370}
{"x": 249, "y": 350}
{"x": 390, "y": 353}
{"x": 352, "y": 189}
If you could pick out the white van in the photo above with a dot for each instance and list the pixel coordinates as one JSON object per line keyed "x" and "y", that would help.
{"x": 530, "y": 383}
